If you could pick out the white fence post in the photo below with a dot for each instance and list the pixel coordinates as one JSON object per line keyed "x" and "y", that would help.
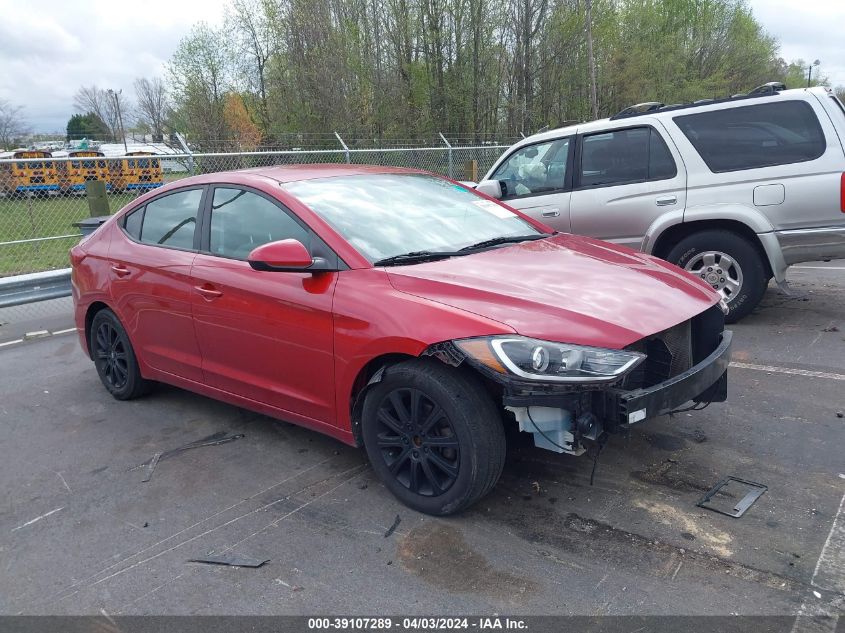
{"x": 451, "y": 165}
{"x": 345, "y": 149}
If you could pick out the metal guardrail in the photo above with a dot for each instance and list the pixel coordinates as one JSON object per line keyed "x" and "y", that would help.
{"x": 34, "y": 287}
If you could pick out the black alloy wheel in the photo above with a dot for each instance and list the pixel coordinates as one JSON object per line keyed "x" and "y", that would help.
{"x": 417, "y": 442}
{"x": 114, "y": 357}
{"x": 434, "y": 435}
{"x": 110, "y": 356}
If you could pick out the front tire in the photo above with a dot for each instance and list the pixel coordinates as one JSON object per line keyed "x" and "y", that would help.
{"x": 729, "y": 263}
{"x": 433, "y": 436}
{"x": 115, "y": 359}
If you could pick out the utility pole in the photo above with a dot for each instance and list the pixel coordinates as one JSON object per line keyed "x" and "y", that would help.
{"x": 116, "y": 97}
{"x": 593, "y": 100}
{"x": 810, "y": 72}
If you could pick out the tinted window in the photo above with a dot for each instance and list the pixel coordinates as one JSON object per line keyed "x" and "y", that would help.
{"x": 755, "y": 136}
{"x": 534, "y": 169}
{"x": 383, "y": 215}
{"x": 171, "y": 220}
{"x": 242, "y": 221}
{"x": 132, "y": 223}
{"x": 625, "y": 156}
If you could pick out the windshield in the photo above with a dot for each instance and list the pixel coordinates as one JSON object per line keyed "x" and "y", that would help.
{"x": 384, "y": 215}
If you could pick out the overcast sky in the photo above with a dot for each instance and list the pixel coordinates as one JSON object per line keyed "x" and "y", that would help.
{"x": 49, "y": 49}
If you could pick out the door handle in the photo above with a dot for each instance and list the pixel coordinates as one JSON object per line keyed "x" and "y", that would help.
{"x": 208, "y": 293}
{"x": 551, "y": 213}
{"x": 119, "y": 270}
{"x": 666, "y": 201}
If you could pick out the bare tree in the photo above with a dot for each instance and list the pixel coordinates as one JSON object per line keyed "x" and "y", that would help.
{"x": 255, "y": 25}
{"x": 12, "y": 126}
{"x": 592, "y": 60}
{"x": 108, "y": 106}
{"x": 151, "y": 96}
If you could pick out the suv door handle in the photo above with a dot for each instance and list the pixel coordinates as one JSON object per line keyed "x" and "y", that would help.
{"x": 551, "y": 213}
{"x": 209, "y": 293}
{"x": 666, "y": 201}
{"x": 119, "y": 270}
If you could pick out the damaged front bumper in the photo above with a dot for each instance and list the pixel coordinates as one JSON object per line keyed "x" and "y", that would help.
{"x": 562, "y": 422}
{"x": 703, "y": 383}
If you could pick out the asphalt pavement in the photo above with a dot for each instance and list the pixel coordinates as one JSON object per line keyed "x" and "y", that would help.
{"x": 82, "y": 533}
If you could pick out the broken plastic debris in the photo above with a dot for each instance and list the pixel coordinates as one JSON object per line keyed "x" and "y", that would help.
{"x": 231, "y": 560}
{"x": 393, "y": 527}
{"x": 221, "y": 437}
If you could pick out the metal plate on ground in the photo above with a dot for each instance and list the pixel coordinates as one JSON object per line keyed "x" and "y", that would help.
{"x": 732, "y": 488}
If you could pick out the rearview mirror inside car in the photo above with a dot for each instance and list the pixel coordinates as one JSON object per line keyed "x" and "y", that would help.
{"x": 492, "y": 188}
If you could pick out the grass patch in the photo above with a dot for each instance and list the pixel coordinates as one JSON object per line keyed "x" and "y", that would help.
{"x": 26, "y": 218}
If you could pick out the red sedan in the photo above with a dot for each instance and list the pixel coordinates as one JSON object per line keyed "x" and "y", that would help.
{"x": 397, "y": 310}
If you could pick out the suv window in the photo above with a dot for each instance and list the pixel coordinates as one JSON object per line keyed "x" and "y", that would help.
{"x": 534, "y": 169}
{"x": 625, "y": 156}
{"x": 750, "y": 137}
{"x": 171, "y": 219}
{"x": 242, "y": 220}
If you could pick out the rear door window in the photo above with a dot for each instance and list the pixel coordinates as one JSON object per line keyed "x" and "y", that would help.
{"x": 172, "y": 219}
{"x": 750, "y": 137}
{"x": 625, "y": 156}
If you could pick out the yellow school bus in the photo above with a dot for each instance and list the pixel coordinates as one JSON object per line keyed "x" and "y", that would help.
{"x": 137, "y": 170}
{"x": 81, "y": 166}
{"x": 38, "y": 176}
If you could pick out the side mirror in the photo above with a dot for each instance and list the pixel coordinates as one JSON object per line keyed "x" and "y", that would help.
{"x": 492, "y": 188}
{"x": 285, "y": 256}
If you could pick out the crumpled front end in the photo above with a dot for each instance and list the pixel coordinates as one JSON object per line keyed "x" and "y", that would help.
{"x": 686, "y": 363}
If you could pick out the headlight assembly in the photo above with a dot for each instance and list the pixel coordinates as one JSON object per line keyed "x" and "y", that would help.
{"x": 546, "y": 361}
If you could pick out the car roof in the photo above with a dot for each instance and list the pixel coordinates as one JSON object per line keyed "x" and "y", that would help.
{"x": 294, "y": 173}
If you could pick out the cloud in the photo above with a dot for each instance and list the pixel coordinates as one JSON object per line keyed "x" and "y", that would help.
{"x": 808, "y": 31}
{"x": 49, "y": 49}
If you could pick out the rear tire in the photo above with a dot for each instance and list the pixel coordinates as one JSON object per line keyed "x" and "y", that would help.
{"x": 115, "y": 359}
{"x": 728, "y": 262}
{"x": 433, "y": 436}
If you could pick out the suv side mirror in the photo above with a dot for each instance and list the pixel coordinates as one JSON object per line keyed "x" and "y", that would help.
{"x": 289, "y": 256}
{"x": 492, "y": 188}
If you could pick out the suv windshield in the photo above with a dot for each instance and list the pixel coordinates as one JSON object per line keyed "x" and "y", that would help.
{"x": 384, "y": 215}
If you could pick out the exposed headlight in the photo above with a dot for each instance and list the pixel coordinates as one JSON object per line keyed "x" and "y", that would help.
{"x": 546, "y": 361}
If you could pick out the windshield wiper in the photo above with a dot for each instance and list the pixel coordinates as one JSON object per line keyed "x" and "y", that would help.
{"x": 415, "y": 257}
{"x": 512, "y": 239}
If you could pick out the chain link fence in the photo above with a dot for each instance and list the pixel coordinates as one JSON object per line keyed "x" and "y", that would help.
{"x": 42, "y": 199}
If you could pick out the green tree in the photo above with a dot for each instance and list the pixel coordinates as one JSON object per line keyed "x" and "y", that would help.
{"x": 87, "y": 125}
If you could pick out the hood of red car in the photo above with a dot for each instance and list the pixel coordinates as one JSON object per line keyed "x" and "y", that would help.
{"x": 566, "y": 288}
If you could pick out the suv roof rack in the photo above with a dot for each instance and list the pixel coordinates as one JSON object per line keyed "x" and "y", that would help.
{"x": 649, "y": 107}
{"x": 769, "y": 88}
{"x": 642, "y": 108}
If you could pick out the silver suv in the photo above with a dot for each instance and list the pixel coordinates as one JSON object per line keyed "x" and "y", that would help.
{"x": 734, "y": 190}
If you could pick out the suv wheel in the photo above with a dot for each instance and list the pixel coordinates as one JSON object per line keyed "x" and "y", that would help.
{"x": 729, "y": 263}
{"x": 433, "y": 436}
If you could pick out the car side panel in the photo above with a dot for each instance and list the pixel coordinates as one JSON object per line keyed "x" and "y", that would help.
{"x": 153, "y": 301}
{"x": 90, "y": 276}
{"x": 389, "y": 322}
{"x": 623, "y": 213}
{"x": 268, "y": 335}
{"x": 808, "y": 193}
